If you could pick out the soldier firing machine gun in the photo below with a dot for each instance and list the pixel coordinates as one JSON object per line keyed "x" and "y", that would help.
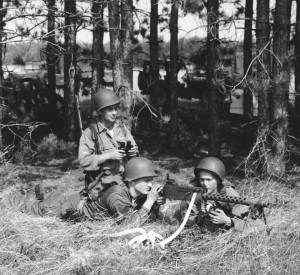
{"x": 188, "y": 192}
{"x": 175, "y": 191}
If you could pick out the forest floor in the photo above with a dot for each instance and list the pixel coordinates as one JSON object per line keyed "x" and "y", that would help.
{"x": 47, "y": 245}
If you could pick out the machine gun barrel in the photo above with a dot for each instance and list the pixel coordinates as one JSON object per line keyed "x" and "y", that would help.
{"x": 232, "y": 199}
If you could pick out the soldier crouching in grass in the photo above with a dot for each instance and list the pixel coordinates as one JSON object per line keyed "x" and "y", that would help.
{"x": 211, "y": 215}
{"x": 132, "y": 202}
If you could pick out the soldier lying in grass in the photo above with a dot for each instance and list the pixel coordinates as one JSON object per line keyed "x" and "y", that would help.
{"x": 131, "y": 202}
{"x": 136, "y": 200}
{"x": 210, "y": 215}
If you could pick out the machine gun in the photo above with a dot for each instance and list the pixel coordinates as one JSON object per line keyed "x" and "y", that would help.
{"x": 174, "y": 191}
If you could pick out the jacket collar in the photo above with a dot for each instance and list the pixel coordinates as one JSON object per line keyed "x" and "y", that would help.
{"x": 102, "y": 128}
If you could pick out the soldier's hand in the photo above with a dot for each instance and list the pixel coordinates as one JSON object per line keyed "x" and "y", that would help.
{"x": 219, "y": 217}
{"x": 161, "y": 200}
{"x": 154, "y": 192}
{"x": 116, "y": 154}
{"x": 205, "y": 206}
{"x": 131, "y": 152}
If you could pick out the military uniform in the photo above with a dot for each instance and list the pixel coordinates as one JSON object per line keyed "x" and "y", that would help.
{"x": 67, "y": 207}
{"x": 117, "y": 202}
{"x": 88, "y": 155}
{"x": 238, "y": 213}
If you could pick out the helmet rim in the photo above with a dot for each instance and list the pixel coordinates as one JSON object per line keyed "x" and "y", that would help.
{"x": 211, "y": 165}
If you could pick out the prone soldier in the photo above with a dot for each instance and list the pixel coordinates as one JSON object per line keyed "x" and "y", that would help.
{"x": 214, "y": 215}
{"x": 138, "y": 199}
{"x": 133, "y": 201}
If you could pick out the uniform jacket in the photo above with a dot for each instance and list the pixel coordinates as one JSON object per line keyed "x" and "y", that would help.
{"x": 71, "y": 206}
{"x": 89, "y": 158}
{"x": 117, "y": 202}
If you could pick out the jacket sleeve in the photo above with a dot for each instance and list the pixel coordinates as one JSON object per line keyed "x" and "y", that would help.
{"x": 121, "y": 207}
{"x": 239, "y": 212}
{"x": 86, "y": 155}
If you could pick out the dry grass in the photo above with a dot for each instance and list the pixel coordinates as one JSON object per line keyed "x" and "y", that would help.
{"x": 35, "y": 245}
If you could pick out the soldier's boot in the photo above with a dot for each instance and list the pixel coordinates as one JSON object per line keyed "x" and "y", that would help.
{"x": 40, "y": 192}
{"x": 23, "y": 188}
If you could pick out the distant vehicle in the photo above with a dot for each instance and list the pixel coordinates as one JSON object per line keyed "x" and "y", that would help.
{"x": 33, "y": 72}
{"x": 191, "y": 84}
{"x": 36, "y": 72}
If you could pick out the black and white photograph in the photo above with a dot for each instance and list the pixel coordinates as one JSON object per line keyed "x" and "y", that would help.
{"x": 149, "y": 137}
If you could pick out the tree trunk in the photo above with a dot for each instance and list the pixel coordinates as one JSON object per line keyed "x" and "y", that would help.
{"x": 51, "y": 44}
{"x": 281, "y": 77}
{"x": 69, "y": 76}
{"x": 215, "y": 98}
{"x": 2, "y": 12}
{"x": 263, "y": 67}
{"x": 116, "y": 54}
{"x": 248, "y": 105}
{"x": 173, "y": 133}
{"x": 126, "y": 36}
{"x": 154, "y": 69}
{"x": 154, "y": 64}
{"x": 98, "y": 49}
{"x": 297, "y": 72}
{"x": 263, "y": 82}
{"x": 121, "y": 31}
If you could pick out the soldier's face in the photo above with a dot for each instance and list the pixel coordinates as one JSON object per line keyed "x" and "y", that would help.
{"x": 109, "y": 114}
{"x": 143, "y": 186}
{"x": 94, "y": 193}
{"x": 208, "y": 182}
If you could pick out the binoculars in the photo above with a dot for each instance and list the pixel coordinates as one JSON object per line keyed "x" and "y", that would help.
{"x": 125, "y": 146}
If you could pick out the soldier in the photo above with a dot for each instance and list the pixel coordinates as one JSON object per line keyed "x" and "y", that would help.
{"x": 210, "y": 175}
{"x": 138, "y": 200}
{"x": 68, "y": 207}
{"x": 101, "y": 149}
{"x": 132, "y": 203}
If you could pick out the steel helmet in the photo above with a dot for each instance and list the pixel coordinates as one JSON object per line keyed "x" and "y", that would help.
{"x": 137, "y": 168}
{"x": 212, "y": 165}
{"x": 105, "y": 98}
